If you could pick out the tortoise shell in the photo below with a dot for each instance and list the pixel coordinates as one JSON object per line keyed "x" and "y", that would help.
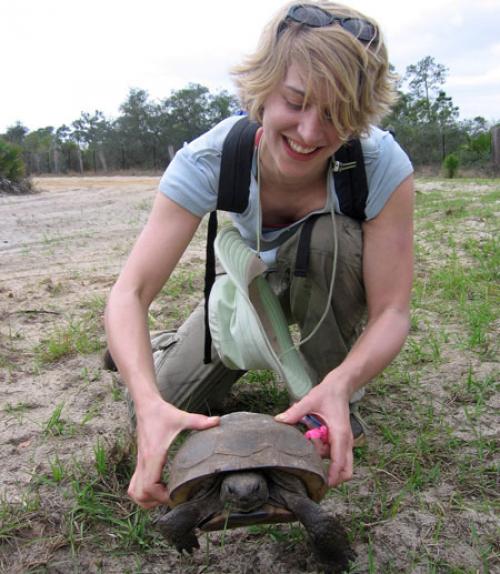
{"x": 245, "y": 441}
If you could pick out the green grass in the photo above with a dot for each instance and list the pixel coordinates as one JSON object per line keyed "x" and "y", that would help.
{"x": 15, "y": 518}
{"x": 57, "y": 470}
{"x": 82, "y": 334}
{"x": 258, "y": 391}
{"x": 100, "y": 455}
{"x": 178, "y": 297}
{"x": 6, "y": 362}
{"x": 73, "y": 337}
{"x": 459, "y": 280}
{"x": 432, "y": 411}
{"x": 95, "y": 509}
{"x": 17, "y": 409}
{"x": 55, "y": 425}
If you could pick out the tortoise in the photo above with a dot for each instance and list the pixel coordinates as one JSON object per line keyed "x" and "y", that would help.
{"x": 251, "y": 469}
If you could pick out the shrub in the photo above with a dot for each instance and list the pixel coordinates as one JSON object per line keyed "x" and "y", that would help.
{"x": 450, "y": 165}
{"x": 11, "y": 162}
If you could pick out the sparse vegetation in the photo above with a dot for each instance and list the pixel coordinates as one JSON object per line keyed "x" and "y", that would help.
{"x": 450, "y": 165}
{"x": 74, "y": 337}
{"x": 424, "y": 497}
{"x": 12, "y": 169}
{"x": 11, "y": 161}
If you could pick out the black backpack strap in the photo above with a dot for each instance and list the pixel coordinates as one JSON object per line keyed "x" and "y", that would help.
{"x": 236, "y": 166}
{"x": 351, "y": 184}
{"x": 302, "y": 257}
{"x": 233, "y": 192}
{"x": 351, "y": 187}
{"x": 209, "y": 281}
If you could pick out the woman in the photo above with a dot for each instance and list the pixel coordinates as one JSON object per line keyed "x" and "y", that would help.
{"x": 318, "y": 78}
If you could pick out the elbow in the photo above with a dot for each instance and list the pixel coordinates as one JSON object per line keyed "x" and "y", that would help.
{"x": 121, "y": 302}
{"x": 395, "y": 318}
{"x": 403, "y": 317}
{"x": 403, "y": 320}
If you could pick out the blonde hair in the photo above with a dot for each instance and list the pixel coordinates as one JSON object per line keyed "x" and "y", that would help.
{"x": 353, "y": 76}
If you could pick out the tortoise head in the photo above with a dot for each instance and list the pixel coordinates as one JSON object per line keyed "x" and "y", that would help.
{"x": 244, "y": 491}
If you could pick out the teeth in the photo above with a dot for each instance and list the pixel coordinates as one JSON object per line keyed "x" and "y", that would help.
{"x": 298, "y": 148}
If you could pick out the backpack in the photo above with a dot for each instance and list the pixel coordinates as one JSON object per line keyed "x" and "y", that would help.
{"x": 351, "y": 187}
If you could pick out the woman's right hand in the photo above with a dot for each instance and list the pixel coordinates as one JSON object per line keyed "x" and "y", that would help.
{"x": 158, "y": 423}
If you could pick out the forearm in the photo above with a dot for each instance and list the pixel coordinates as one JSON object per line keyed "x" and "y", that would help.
{"x": 377, "y": 346}
{"x": 129, "y": 344}
{"x": 157, "y": 251}
{"x": 387, "y": 276}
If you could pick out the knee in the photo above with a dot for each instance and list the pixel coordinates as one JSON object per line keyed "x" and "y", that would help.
{"x": 346, "y": 233}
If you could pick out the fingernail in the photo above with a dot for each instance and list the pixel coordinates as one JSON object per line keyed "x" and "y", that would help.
{"x": 281, "y": 418}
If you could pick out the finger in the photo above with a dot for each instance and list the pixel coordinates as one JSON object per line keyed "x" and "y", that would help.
{"x": 344, "y": 473}
{"x": 159, "y": 494}
{"x": 296, "y": 412}
{"x": 321, "y": 448}
{"x": 147, "y": 494}
{"x": 341, "y": 457}
{"x": 146, "y": 505}
{"x": 349, "y": 468}
{"x": 200, "y": 422}
{"x": 146, "y": 486}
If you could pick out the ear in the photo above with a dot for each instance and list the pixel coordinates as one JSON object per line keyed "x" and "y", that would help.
{"x": 260, "y": 114}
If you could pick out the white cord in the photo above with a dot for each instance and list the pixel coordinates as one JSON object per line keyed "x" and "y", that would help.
{"x": 334, "y": 263}
{"x": 332, "y": 282}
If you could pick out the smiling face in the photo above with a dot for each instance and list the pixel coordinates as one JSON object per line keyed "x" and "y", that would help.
{"x": 298, "y": 139}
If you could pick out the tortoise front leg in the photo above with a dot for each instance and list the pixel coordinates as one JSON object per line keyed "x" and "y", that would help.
{"x": 178, "y": 526}
{"x": 328, "y": 537}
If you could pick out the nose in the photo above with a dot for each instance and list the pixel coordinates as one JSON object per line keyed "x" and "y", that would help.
{"x": 310, "y": 128}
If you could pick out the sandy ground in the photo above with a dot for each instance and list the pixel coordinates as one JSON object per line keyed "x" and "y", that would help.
{"x": 60, "y": 252}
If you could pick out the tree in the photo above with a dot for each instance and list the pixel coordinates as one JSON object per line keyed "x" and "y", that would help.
{"x": 136, "y": 131}
{"x": 221, "y": 106}
{"x": 476, "y": 126}
{"x": 15, "y": 134}
{"x": 478, "y": 145}
{"x": 11, "y": 161}
{"x": 66, "y": 146}
{"x": 425, "y": 118}
{"x": 444, "y": 111}
{"x": 39, "y": 146}
{"x": 142, "y": 136}
{"x": 188, "y": 113}
{"x": 445, "y": 114}
{"x": 425, "y": 79}
{"x": 193, "y": 110}
{"x": 93, "y": 131}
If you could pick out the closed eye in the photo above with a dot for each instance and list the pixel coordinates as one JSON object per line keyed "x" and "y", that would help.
{"x": 292, "y": 106}
{"x": 327, "y": 115}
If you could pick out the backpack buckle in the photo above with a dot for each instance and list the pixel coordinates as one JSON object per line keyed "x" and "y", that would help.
{"x": 339, "y": 166}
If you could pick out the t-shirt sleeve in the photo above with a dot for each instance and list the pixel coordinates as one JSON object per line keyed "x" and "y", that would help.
{"x": 191, "y": 180}
{"x": 387, "y": 165}
{"x": 192, "y": 177}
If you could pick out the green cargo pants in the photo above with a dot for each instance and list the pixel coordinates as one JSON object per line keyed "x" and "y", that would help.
{"x": 185, "y": 381}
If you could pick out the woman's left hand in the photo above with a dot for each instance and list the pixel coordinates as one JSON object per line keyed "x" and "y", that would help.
{"x": 333, "y": 410}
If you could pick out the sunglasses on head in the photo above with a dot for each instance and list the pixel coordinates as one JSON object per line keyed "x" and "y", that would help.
{"x": 316, "y": 17}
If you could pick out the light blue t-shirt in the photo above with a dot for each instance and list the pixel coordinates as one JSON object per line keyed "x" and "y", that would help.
{"x": 192, "y": 180}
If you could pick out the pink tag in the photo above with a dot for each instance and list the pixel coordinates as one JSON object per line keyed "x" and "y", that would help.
{"x": 321, "y": 433}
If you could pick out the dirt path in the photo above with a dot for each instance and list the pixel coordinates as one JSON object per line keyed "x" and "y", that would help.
{"x": 60, "y": 252}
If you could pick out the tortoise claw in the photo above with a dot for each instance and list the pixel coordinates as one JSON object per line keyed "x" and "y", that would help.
{"x": 188, "y": 544}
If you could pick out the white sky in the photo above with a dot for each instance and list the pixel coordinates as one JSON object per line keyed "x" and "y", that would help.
{"x": 61, "y": 57}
